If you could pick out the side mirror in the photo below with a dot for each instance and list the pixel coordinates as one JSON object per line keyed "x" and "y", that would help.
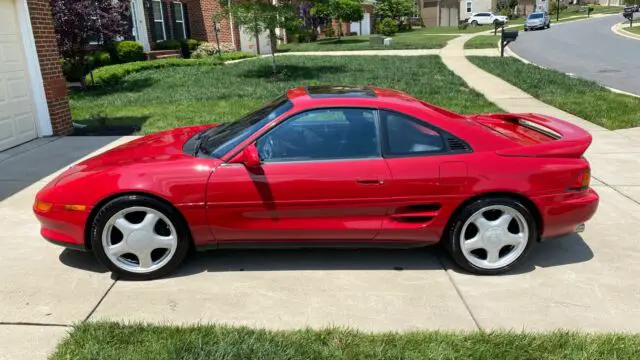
{"x": 250, "y": 156}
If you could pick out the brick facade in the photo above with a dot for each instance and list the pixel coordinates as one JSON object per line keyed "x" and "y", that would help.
{"x": 55, "y": 85}
{"x": 200, "y": 25}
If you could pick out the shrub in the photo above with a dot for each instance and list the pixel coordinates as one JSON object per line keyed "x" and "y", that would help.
{"x": 113, "y": 74}
{"x": 188, "y": 46}
{"x": 128, "y": 51}
{"x": 98, "y": 59}
{"x": 352, "y": 33}
{"x": 388, "y": 27}
{"x": 236, "y": 55}
{"x": 329, "y": 32}
{"x": 210, "y": 49}
{"x": 71, "y": 70}
{"x": 313, "y": 35}
{"x": 168, "y": 45}
{"x": 553, "y": 7}
{"x": 303, "y": 36}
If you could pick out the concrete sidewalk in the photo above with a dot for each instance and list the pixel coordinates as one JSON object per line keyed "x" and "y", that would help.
{"x": 597, "y": 291}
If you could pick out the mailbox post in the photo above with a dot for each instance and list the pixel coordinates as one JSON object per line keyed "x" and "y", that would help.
{"x": 628, "y": 14}
{"x": 508, "y": 36}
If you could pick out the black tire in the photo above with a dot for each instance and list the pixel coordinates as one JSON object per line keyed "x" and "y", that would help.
{"x": 123, "y": 202}
{"x": 452, "y": 236}
{"x": 525, "y": 29}
{"x": 474, "y": 23}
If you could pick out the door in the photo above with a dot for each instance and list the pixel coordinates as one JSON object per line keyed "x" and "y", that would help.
{"x": 17, "y": 111}
{"x": 139, "y": 27}
{"x": 427, "y": 178}
{"x": 321, "y": 179}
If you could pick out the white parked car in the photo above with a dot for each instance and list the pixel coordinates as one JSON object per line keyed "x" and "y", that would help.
{"x": 486, "y": 18}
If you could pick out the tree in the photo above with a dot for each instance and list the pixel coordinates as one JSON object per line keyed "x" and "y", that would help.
{"x": 506, "y": 5}
{"x": 77, "y": 21}
{"x": 342, "y": 11}
{"x": 258, "y": 16}
{"x": 398, "y": 10}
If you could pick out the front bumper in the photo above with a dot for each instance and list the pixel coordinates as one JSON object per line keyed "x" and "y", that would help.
{"x": 534, "y": 26}
{"x": 564, "y": 213}
{"x": 63, "y": 227}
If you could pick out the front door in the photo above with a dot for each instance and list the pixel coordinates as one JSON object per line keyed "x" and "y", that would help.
{"x": 322, "y": 178}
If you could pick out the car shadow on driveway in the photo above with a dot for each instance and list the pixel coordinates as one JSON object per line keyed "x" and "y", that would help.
{"x": 566, "y": 250}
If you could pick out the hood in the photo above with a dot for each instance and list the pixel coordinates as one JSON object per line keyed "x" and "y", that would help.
{"x": 162, "y": 146}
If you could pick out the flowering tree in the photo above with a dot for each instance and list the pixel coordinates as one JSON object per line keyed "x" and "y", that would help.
{"x": 78, "y": 21}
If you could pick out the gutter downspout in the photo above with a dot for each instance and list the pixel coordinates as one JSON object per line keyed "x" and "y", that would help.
{"x": 233, "y": 32}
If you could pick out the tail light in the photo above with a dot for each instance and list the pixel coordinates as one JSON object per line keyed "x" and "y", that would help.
{"x": 582, "y": 181}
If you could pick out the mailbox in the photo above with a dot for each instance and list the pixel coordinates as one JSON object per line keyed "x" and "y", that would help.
{"x": 509, "y": 35}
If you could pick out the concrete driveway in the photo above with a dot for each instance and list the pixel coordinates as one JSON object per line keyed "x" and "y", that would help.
{"x": 587, "y": 282}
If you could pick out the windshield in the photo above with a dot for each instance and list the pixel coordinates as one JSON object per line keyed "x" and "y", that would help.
{"x": 535, "y": 16}
{"x": 219, "y": 140}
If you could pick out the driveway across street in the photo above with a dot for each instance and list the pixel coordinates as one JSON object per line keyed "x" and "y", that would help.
{"x": 578, "y": 282}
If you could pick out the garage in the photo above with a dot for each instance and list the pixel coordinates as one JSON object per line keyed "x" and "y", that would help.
{"x": 25, "y": 111}
{"x": 17, "y": 110}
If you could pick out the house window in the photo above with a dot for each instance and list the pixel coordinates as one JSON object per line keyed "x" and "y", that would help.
{"x": 158, "y": 21}
{"x": 469, "y": 6}
{"x": 179, "y": 28}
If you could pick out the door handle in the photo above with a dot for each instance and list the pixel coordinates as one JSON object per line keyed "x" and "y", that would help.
{"x": 370, "y": 181}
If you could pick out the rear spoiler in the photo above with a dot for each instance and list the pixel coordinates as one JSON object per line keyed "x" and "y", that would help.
{"x": 570, "y": 141}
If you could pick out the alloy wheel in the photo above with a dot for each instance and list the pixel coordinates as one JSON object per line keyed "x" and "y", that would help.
{"x": 139, "y": 239}
{"x": 494, "y": 237}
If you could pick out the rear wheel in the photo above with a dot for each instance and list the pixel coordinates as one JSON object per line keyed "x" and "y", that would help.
{"x": 474, "y": 23}
{"x": 139, "y": 238}
{"x": 490, "y": 236}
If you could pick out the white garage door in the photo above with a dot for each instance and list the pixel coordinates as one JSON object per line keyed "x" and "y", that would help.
{"x": 17, "y": 113}
{"x": 362, "y": 27}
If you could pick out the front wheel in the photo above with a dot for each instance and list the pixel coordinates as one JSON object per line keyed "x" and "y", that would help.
{"x": 139, "y": 237}
{"x": 490, "y": 236}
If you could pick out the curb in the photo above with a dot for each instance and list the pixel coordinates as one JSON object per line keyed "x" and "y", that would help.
{"x": 514, "y": 55}
{"x": 617, "y": 29}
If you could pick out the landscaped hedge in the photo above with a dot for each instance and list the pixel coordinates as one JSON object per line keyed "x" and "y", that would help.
{"x": 188, "y": 46}
{"x": 168, "y": 45}
{"x": 113, "y": 74}
{"x": 126, "y": 52}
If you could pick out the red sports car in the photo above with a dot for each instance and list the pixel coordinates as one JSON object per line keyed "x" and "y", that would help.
{"x": 333, "y": 167}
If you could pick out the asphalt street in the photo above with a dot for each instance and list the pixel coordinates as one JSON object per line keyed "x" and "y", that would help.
{"x": 588, "y": 49}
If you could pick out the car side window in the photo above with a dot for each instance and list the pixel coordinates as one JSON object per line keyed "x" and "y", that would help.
{"x": 406, "y": 136}
{"x": 322, "y": 134}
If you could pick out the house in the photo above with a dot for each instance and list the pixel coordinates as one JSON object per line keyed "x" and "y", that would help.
{"x": 469, "y": 7}
{"x": 364, "y": 27}
{"x": 33, "y": 91}
{"x": 439, "y": 12}
{"x": 159, "y": 20}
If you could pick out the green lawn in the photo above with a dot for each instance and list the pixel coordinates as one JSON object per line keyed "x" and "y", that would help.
{"x": 454, "y": 29}
{"x": 407, "y": 40}
{"x": 635, "y": 29}
{"x": 169, "y": 97}
{"x": 483, "y": 42}
{"x": 114, "y": 341}
{"x": 583, "y": 98}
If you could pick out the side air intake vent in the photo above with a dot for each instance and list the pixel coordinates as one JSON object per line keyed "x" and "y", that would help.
{"x": 457, "y": 145}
